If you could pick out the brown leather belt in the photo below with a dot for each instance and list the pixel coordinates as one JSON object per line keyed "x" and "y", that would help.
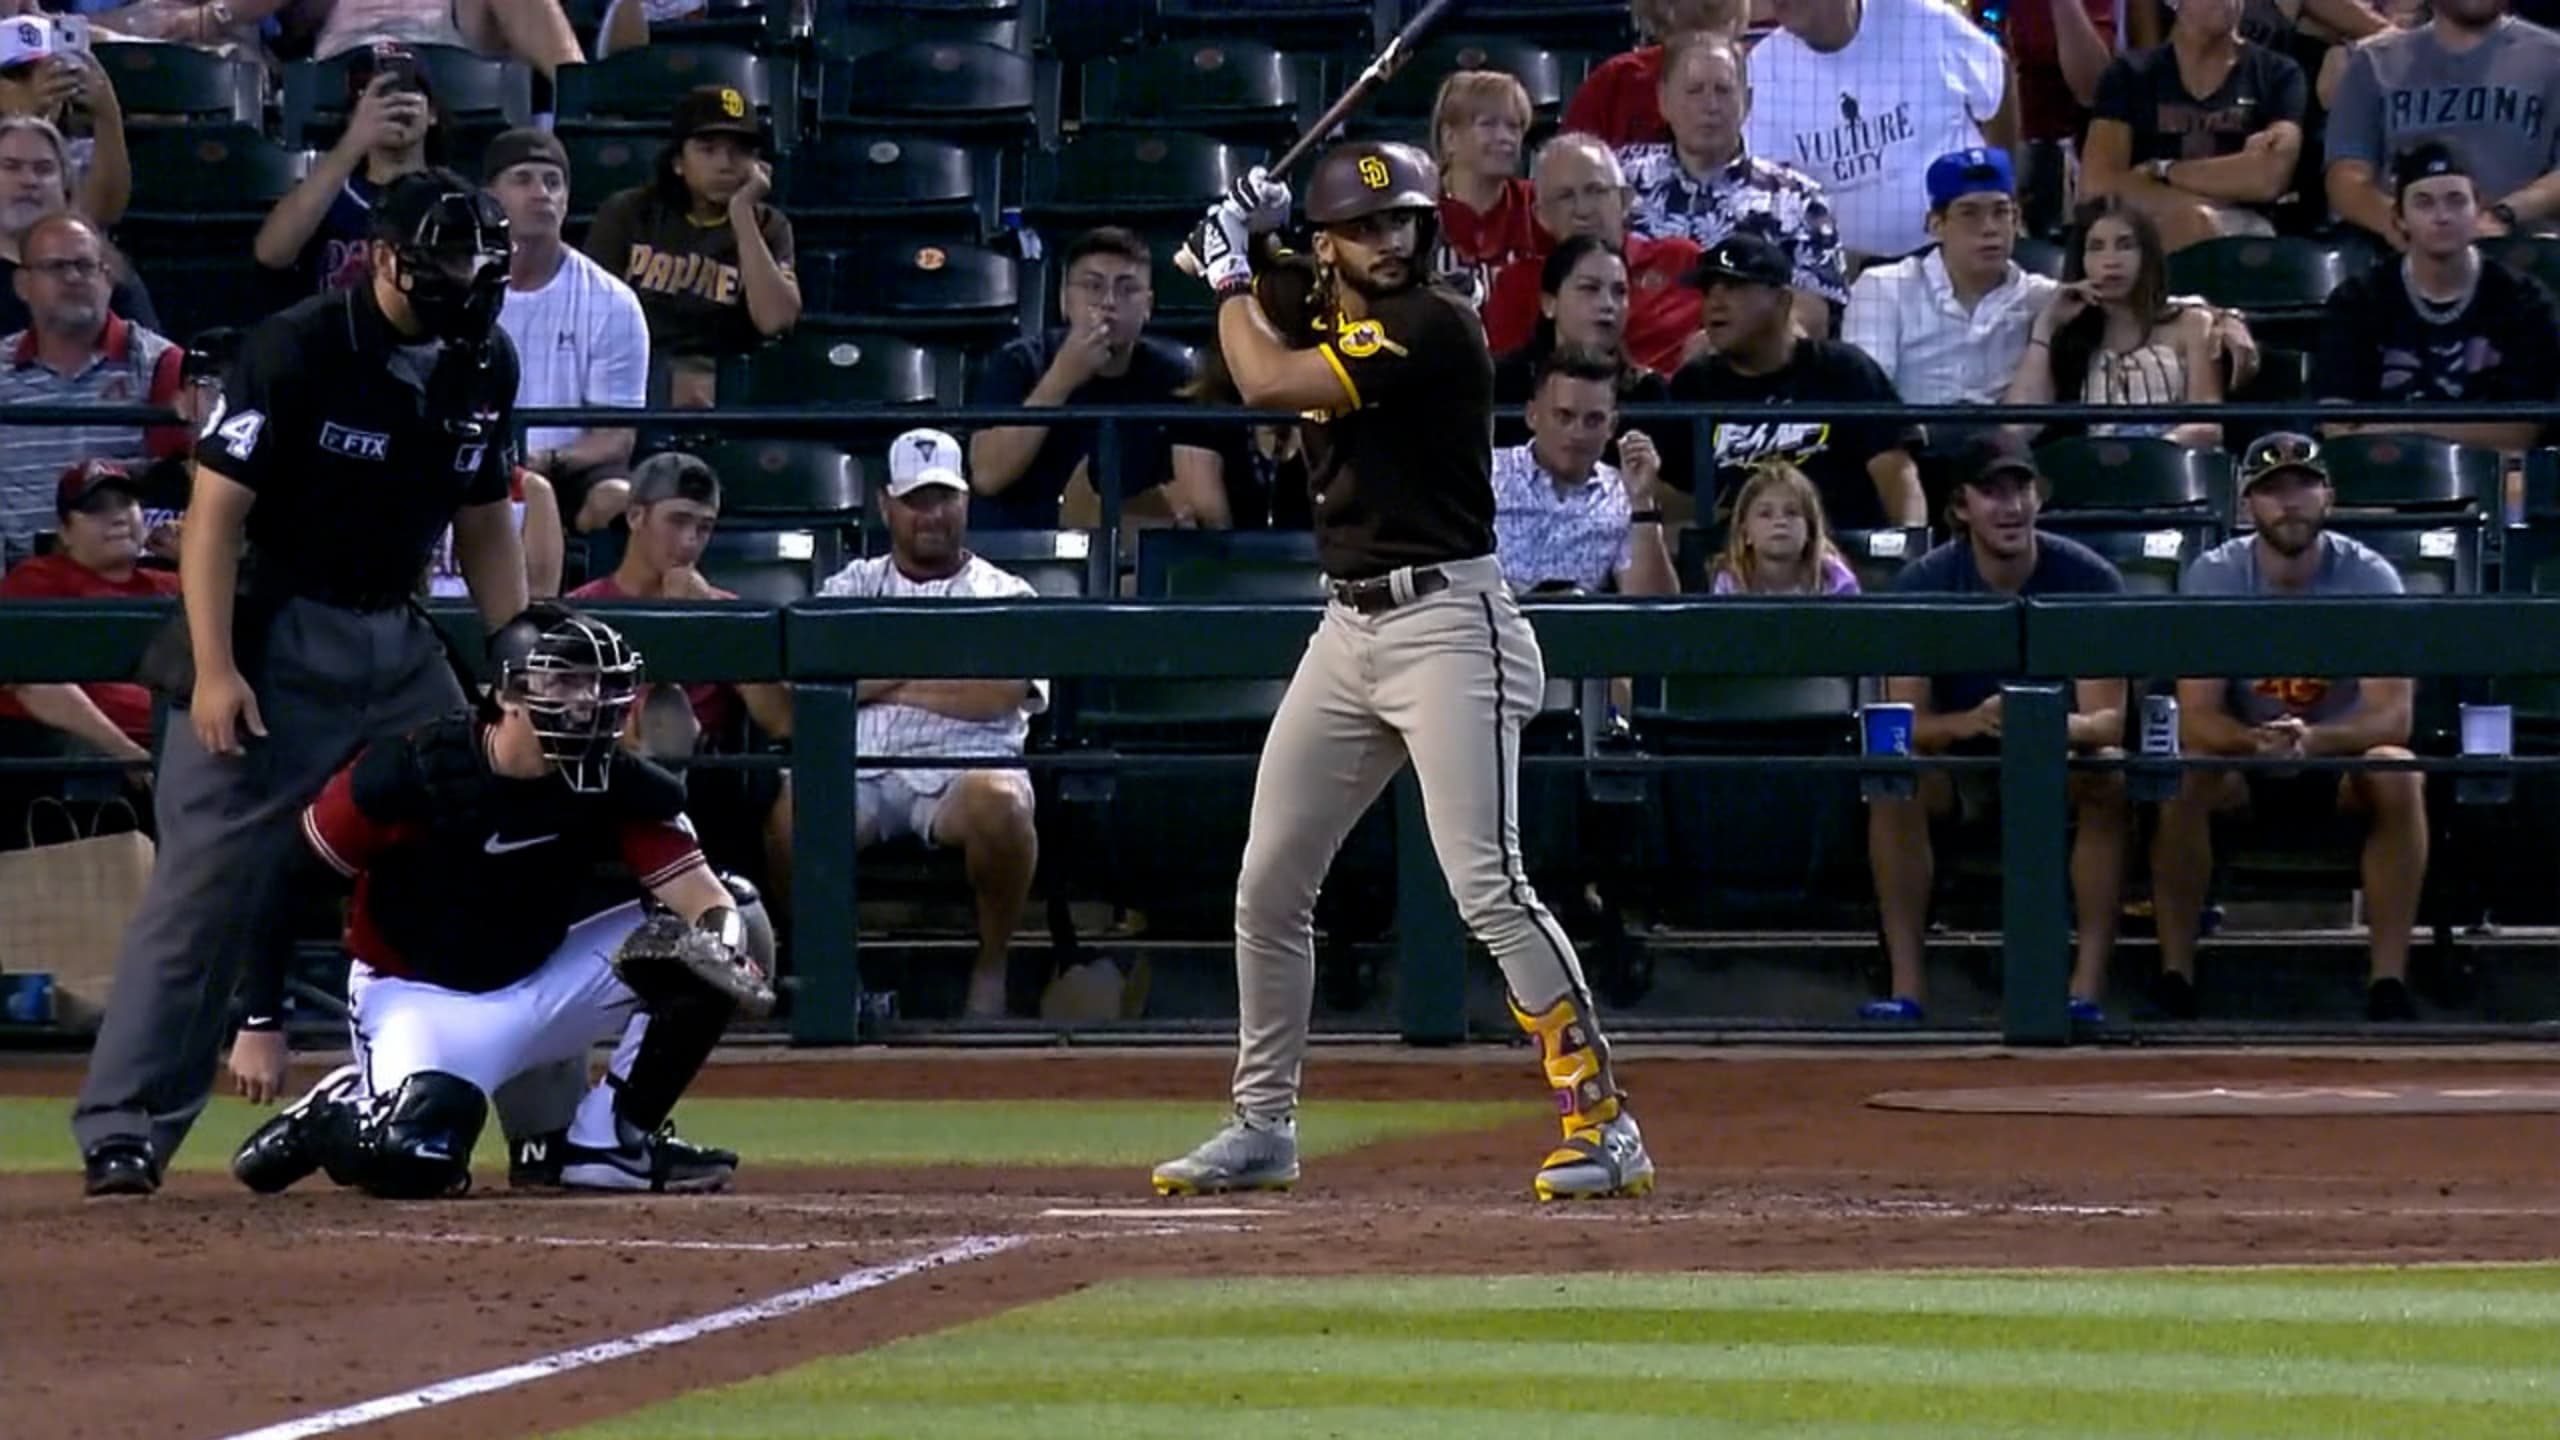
{"x": 1376, "y": 595}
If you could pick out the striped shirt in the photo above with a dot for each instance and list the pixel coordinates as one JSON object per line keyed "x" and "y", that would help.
{"x": 1541, "y": 534}
{"x": 1751, "y": 193}
{"x": 132, "y": 366}
{"x": 889, "y": 728}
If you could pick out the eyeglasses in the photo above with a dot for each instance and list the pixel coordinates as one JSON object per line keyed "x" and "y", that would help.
{"x": 1097, "y": 290}
{"x": 69, "y": 269}
{"x": 2283, "y": 450}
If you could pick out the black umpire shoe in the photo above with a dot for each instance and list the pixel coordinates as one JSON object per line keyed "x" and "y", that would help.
{"x": 120, "y": 1167}
{"x": 2388, "y": 1001}
{"x": 533, "y": 1163}
{"x": 660, "y": 1163}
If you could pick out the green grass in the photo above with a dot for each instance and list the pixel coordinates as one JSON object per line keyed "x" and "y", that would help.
{"x": 2445, "y": 1354}
{"x": 35, "y": 1134}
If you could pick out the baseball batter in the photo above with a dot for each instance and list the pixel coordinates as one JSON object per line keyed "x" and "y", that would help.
{"x": 482, "y": 949}
{"x": 1421, "y": 654}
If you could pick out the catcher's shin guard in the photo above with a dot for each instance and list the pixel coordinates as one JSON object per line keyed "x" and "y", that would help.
{"x": 1603, "y": 1152}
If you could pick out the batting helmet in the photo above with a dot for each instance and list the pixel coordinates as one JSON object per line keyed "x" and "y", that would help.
{"x": 1367, "y": 176}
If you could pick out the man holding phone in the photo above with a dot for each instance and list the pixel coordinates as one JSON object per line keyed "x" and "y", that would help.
{"x": 318, "y": 231}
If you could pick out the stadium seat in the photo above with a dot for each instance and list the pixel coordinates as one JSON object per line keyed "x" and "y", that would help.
{"x": 1278, "y": 564}
{"x": 1242, "y": 90}
{"x": 203, "y": 176}
{"x": 1803, "y": 836}
{"x": 2283, "y": 375}
{"x": 159, "y": 84}
{"x": 807, "y": 481}
{"x": 1334, "y": 24}
{"x": 193, "y": 293}
{"x": 604, "y": 165}
{"x": 471, "y": 93}
{"x": 915, "y": 287}
{"x": 1060, "y": 564}
{"x": 2537, "y": 256}
{"x": 936, "y": 84}
{"x": 1408, "y": 95}
{"x": 847, "y": 28}
{"x": 846, "y": 185}
{"x": 637, "y": 90}
{"x": 2148, "y": 505}
{"x": 776, "y": 567}
{"x": 2414, "y": 472}
{"x": 1875, "y": 556}
{"x": 760, "y": 25}
{"x": 1595, "y": 23}
{"x": 816, "y": 367}
{"x": 1120, "y": 176}
{"x": 2281, "y": 284}
{"x": 1184, "y": 306}
{"x": 2039, "y": 256}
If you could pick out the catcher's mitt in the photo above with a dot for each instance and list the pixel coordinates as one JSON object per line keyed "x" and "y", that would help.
{"x": 665, "y": 953}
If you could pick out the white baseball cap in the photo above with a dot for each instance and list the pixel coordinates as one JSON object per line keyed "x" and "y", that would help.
{"x": 24, "y": 38}
{"x": 924, "y": 457}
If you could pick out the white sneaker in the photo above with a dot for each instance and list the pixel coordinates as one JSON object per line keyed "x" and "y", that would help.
{"x": 1245, "y": 1154}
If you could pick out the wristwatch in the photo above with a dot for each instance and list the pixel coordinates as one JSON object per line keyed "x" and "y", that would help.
{"x": 2160, "y": 170}
{"x": 2504, "y": 214}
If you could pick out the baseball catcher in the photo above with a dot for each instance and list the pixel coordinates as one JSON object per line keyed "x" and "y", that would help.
{"x": 485, "y": 944}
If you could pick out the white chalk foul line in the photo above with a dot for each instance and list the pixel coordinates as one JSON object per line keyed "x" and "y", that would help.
{"x": 772, "y": 1307}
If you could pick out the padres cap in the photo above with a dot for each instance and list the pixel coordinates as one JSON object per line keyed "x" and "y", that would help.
{"x": 83, "y": 481}
{"x": 717, "y": 110}
{"x": 525, "y": 146}
{"x": 925, "y": 457}
{"x": 1747, "y": 256}
{"x": 25, "y": 39}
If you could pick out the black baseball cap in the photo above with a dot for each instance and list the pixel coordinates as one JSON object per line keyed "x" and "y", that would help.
{"x": 675, "y": 475}
{"x": 523, "y": 146}
{"x": 1993, "y": 454}
{"x": 1747, "y": 256}
{"x": 439, "y": 212}
{"x": 82, "y": 482}
{"x": 717, "y": 110}
{"x": 2425, "y": 160}
{"x": 2279, "y": 453}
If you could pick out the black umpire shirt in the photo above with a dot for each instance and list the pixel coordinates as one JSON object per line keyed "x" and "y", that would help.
{"x": 359, "y": 456}
{"x": 1404, "y": 474}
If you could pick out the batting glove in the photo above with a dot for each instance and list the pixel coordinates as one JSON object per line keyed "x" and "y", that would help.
{"x": 1219, "y": 242}
{"x": 1264, "y": 201}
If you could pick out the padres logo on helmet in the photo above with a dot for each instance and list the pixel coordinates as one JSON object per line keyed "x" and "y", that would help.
{"x": 1366, "y": 177}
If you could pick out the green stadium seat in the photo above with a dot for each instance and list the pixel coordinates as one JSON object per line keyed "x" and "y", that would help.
{"x": 811, "y": 366}
{"x": 196, "y": 293}
{"x": 2039, "y": 256}
{"x": 1242, "y": 90}
{"x": 2374, "y": 470}
{"x": 1803, "y": 839}
{"x": 199, "y": 176}
{"x": 471, "y": 93}
{"x": 1875, "y": 556}
{"x": 603, "y": 165}
{"x": 810, "y": 481}
{"x": 2283, "y": 375}
{"x": 1060, "y": 564}
{"x": 915, "y": 287}
{"x": 938, "y": 84}
{"x": 1116, "y": 176}
{"x": 776, "y": 567}
{"x": 1596, "y": 23}
{"x": 1409, "y": 93}
{"x": 761, "y": 25}
{"x": 1335, "y": 24}
{"x": 637, "y": 90}
{"x": 848, "y": 28}
{"x": 848, "y": 185}
{"x": 2148, "y": 505}
{"x": 167, "y": 84}
{"x": 2281, "y": 284}
{"x": 2537, "y": 256}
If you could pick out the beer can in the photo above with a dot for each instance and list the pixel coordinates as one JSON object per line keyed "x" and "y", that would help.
{"x": 2159, "y": 736}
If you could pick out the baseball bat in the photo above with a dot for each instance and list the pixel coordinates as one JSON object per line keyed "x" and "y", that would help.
{"x": 1379, "y": 70}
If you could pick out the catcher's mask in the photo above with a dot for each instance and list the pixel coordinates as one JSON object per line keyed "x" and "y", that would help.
{"x": 451, "y": 238}
{"x": 576, "y": 679}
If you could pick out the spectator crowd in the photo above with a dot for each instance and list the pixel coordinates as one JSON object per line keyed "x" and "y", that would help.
{"x": 1795, "y": 203}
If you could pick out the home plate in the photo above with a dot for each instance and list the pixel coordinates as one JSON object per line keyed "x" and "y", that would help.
{"x": 1158, "y": 1213}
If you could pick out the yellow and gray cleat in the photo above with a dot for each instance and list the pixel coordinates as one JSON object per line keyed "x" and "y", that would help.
{"x": 1598, "y": 1164}
{"x": 1248, "y": 1153}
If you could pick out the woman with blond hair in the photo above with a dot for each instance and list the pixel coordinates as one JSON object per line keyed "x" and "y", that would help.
{"x": 1778, "y": 542}
{"x": 1619, "y": 101}
{"x": 1486, "y": 209}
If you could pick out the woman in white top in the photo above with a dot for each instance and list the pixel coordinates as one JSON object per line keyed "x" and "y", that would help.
{"x": 2113, "y": 335}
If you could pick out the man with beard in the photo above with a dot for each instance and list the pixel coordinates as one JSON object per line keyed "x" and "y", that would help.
{"x": 355, "y": 427}
{"x": 2284, "y": 486}
{"x": 2443, "y": 324}
{"x": 73, "y": 352}
{"x": 2476, "y": 78}
{"x": 983, "y": 813}
{"x": 1998, "y": 551}
{"x": 1421, "y": 654}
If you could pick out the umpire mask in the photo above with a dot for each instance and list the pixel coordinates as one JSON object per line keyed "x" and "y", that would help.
{"x": 576, "y": 679}
{"x": 453, "y": 264}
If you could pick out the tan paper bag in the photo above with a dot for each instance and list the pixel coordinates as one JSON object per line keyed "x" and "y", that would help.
{"x": 64, "y": 906}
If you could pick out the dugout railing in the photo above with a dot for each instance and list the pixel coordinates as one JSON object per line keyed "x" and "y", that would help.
{"x": 821, "y": 648}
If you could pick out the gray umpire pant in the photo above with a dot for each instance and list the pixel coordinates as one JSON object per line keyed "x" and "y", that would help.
{"x": 329, "y": 680}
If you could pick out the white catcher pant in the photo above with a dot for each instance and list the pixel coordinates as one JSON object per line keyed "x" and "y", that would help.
{"x": 557, "y": 1013}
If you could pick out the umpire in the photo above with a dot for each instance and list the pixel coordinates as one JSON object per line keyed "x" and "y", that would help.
{"x": 354, "y": 428}
{"x": 1421, "y": 655}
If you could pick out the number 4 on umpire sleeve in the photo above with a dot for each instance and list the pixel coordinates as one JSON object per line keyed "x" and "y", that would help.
{"x": 239, "y": 434}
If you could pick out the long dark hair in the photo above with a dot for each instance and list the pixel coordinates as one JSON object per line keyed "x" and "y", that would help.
{"x": 2075, "y": 343}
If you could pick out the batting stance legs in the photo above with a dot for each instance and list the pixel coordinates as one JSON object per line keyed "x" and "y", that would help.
{"x": 402, "y": 1120}
{"x": 1448, "y": 680}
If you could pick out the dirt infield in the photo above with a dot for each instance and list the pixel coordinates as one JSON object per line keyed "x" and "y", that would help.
{"x": 206, "y": 1312}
